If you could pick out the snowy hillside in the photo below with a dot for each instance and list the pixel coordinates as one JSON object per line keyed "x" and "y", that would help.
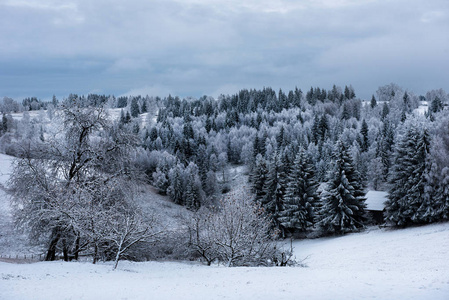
{"x": 168, "y": 214}
{"x": 377, "y": 264}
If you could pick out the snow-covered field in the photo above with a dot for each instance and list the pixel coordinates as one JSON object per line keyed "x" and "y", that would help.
{"x": 375, "y": 264}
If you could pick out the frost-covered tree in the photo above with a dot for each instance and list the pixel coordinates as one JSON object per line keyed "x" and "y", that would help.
{"x": 364, "y": 145}
{"x": 301, "y": 195}
{"x": 343, "y": 199}
{"x": 258, "y": 177}
{"x": 65, "y": 189}
{"x": 407, "y": 180}
{"x": 235, "y": 233}
{"x": 194, "y": 194}
{"x": 274, "y": 187}
{"x": 177, "y": 185}
{"x": 373, "y": 102}
{"x": 127, "y": 228}
{"x": 211, "y": 187}
{"x": 135, "y": 110}
{"x": 160, "y": 180}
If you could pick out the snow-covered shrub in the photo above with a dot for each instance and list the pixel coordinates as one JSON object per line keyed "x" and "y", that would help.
{"x": 236, "y": 233}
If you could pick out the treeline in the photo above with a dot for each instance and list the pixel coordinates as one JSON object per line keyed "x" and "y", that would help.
{"x": 343, "y": 142}
{"x": 75, "y": 192}
{"x": 310, "y": 156}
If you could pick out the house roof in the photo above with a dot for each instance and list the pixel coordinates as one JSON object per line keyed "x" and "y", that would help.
{"x": 375, "y": 200}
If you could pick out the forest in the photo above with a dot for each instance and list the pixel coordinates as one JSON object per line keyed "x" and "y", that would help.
{"x": 310, "y": 157}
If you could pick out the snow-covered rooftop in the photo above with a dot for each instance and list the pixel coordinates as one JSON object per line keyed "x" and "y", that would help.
{"x": 375, "y": 200}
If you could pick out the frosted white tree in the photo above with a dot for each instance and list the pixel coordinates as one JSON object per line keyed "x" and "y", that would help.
{"x": 64, "y": 191}
{"x": 236, "y": 233}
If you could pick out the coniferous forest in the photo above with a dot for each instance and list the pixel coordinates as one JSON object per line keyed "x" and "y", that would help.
{"x": 309, "y": 158}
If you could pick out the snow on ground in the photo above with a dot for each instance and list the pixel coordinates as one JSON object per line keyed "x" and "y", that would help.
{"x": 5, "y": 167}
{"x": 422, "y": 108}
{"x": 168, "y": 214}
{"x": 375, "y": 200}
{"x": 145, "y": 119}
{"x": 375, "y": 264}
{"x": 33, "y": 114}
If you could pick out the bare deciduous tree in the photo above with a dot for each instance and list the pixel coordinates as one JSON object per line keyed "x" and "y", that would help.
{"x": 68, "y": 191}
{"x": 236, "y": 233}
{"x": 126, "y": 229}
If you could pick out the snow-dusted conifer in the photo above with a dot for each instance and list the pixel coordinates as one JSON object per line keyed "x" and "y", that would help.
{"x": 301, "y": 195}
{"x": 194, "y": 194}
{"x": 408, "y": 179}
{"x": 259, "y": 177}
{"x": 343, "y": 200}
{"x": 274, "y": 187}
{"x": 135, "y": 110}
{"x": 176, "y": 188}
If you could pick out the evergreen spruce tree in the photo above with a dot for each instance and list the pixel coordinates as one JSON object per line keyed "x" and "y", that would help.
{"x": 365, "y": 141}
{"x": 443, "y": 192}
{"x": 324, "y": 127}
{"x": 373, "y": 102}
{"x": 256, "y": 144}
{"x": 280, "y": 137}
{"x": 4, "y": 123}
{"x": 176, "y": 188}
{"x": 436, "y": 105}
{"x": 258, "y": 177}
{"x": 301, "y": 195}
{"x": 408, "y": 180}
{"x": 135, "y": 111}
{"x": 430, "y": 208}
{"x": 315, "y": 130}
{"x": 122, "y": 102}
{"x": 343, "y": 200}
{"x": 346, "y": 113}
{"x": 385, "y": 111}
{"x": 122, "y": 117}
{"x": 274, "y": 188}
{"x": 347, "y": 93}
{"x": 144, "y": 108}
{"x": 127, "y": 118}
{"x": 194, "y": 194}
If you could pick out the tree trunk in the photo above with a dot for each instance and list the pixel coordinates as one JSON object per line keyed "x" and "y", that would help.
{"x": 65, "y": 250}
{"x": 51, "y": 252}
{"x": 95, "y": 254}
{"x": 117, "y": 258}
{"x": 77, "y": 247}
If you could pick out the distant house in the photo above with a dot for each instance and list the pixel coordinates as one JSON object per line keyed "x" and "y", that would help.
{"x": 375, "y": 205}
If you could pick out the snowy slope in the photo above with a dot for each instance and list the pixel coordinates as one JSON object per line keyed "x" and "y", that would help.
{"x": 375, "y": 200}
{"x": 168, "y": 214}
{"x": 5, "y": 167}
{"x": 377, "y": 264}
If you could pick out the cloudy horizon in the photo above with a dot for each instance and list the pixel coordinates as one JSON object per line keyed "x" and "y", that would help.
{"x": 199, "y": 47}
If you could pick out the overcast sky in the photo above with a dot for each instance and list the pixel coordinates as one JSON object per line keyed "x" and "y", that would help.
{"x": 209, "y": 47}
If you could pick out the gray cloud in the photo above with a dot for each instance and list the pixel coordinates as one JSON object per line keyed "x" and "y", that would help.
{"x": 196, "y": 47}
